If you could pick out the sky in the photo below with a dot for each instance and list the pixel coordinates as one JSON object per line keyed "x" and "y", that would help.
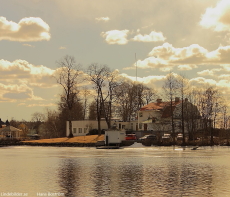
{"x": 155, "y": 37}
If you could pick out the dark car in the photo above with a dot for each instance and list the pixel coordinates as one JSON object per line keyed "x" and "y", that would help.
{"x": 151, "y": 137}
{"x": 143, "y": 138}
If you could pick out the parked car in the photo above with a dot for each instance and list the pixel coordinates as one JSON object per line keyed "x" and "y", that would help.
{"x": 144, "y": 137}
{"x": 166, "y": 137}
{"x": 152, "y": 137}
{"x": 131, "y": 137}
{"x": 179, "y": 136}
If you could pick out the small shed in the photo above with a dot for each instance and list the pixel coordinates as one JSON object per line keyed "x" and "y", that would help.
{"x": 114, "y": 136}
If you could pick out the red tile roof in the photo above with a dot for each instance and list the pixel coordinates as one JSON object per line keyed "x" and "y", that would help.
{"x": 162, "y": 106}
{"x": 158, "y": 105}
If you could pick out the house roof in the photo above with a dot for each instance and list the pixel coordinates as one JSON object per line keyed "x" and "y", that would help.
{"x": 158, "y": 105}
{"x": 165, "y": 107}
{"x": 9, "y": 129}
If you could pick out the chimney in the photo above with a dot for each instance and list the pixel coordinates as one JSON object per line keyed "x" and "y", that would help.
{"x": 159, "y": 100}
{"x": 177, "y": 99}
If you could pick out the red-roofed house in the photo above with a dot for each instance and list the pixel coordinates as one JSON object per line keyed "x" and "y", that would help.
{"x": 157, "y": 116}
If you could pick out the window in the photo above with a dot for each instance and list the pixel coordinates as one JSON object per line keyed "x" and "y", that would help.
{"x": 131, "y": 126}
{"x": 74, "y": 130}
{"x": 140, "y": 114}
{"x": 79, "y": 130}
{"x": 140, "y": 126}
{"x": 85, "y": 130}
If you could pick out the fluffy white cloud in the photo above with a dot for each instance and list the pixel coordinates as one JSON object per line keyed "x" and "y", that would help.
{"x": 155, "y": 82}
{"x": 212, "y": 72}
{"x": 152, "y": 37}
{"x": 201, "y": 81}
{"x": 116, "y": 36}
{"x": 188, "y": 55}
{"x": 21, "y": 70}
{"x": 14, "y": 92}
{"x": 166, "y": 57}
{"x": 218, "y": 17}
{"x": 27, "y": 30}
{"x": 105, "y": 19}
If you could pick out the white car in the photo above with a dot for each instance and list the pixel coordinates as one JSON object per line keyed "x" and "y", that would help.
{"x": 179, "y": 136}
{"x": 166, "y": 137}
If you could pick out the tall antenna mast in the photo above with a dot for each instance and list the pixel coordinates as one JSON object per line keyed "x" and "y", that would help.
{"x": 136, "y": 66}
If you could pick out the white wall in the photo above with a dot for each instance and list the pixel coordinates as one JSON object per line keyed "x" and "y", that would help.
{"x": 82, "y": 127}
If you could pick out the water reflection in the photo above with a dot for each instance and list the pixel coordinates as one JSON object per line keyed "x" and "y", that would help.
{"x": 131, "y": 179}
{"x": 102, "y": 175}
{"x": 136, "y": 172}
{"x": 69, "y": 177}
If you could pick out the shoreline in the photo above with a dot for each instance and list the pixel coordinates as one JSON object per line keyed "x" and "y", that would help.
{"x": 95, "y": 141}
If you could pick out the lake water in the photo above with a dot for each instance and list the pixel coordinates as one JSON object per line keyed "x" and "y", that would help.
{"x": 131, "y": 171}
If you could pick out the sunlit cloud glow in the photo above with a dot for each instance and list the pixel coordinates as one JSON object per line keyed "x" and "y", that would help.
{"x": 27, "y": 30}
{"x": 116, "y": 36}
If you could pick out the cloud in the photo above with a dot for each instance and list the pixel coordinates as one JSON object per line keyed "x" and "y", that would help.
{"x": 165, "y": 57}
{"x": 116, "y": 36}
{"x": 14, "y": 92}
{"x": 21, "y": 70}
{"x": 22, "y": 82}
{"x": 152, "y": 37}
{"x": 151, "y": 81}
{"x": 27, "y": 30}
{"x": 42, "y": 105}
{"x": 217, "y": 18}
{"x": 104, "y": 19}
{"x": 207, "y": 72}
{"x": 28, "y": 45}
{"x": 200, "y": 81}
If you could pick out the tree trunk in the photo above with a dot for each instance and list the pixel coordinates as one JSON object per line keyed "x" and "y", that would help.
{"x": 172, "y": 122}
{"x": 182, "y": 119}
{"x": 70, "y": 126}
{"x": 98, "y": 117}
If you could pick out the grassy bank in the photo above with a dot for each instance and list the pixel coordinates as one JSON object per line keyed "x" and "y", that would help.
{"x": 80, "y": 139}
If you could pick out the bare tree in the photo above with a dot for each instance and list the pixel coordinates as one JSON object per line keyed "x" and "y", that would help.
{"x": 182, "y": 88}
{"x": 85, "y": 94}
{"x": 98, "y": 74}
{"x": 37, "y": 119}
{"x": 210, "y": 106}
{"x": 52, "y": 128}
{"x": 92, "y": 111}
{"x": 170, "y": 87}
{"x": 69, "y": 77}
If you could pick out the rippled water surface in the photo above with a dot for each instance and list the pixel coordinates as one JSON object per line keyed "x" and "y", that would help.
{"x": 131, "y": 171}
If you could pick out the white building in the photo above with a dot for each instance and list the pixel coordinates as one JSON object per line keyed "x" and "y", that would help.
{"x": 82, "y": 127}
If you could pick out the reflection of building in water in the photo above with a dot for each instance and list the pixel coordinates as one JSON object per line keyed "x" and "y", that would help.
{"x": 69, "y": 177}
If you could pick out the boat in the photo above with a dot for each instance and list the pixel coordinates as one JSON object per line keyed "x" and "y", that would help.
{"x": 195, "y": 148}
{"x": 107, "y": 147}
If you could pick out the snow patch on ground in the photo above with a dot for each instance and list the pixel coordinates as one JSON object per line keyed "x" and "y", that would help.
{"x": 136, "y": 145}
